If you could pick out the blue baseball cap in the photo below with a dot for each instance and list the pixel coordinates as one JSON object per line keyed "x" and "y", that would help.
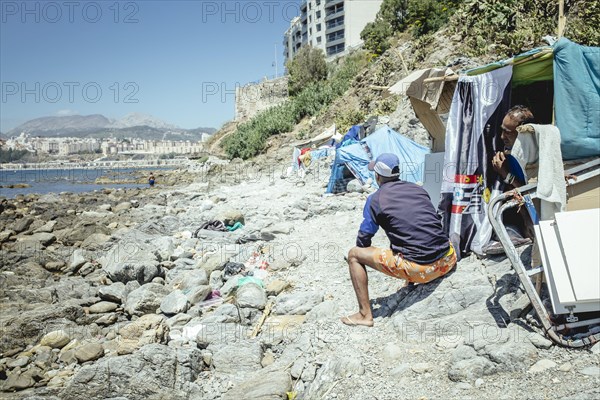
{"x": 387, "y": 165}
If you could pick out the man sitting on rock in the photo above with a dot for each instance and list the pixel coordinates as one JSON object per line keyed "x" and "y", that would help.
{"x": 419, "y": 250}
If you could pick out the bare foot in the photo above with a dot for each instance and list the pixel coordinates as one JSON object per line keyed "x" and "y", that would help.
{"x": 357, "y": 320}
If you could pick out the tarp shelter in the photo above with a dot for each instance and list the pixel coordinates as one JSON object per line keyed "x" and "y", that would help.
{"x": 352, "y": 161}
{"x": 560, "y": 83}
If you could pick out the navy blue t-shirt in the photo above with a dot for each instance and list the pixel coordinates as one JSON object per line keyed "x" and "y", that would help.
{"x": 405, "y": 213}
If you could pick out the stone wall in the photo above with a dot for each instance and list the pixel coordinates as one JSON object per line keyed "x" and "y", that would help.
{"x": 256, "y": 97}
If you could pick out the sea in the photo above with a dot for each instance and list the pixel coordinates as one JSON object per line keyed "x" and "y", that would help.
{"x": 75, "y": 180}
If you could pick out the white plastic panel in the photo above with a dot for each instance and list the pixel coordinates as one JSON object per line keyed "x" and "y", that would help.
{"x": 580, "y": 236}
{"x": 573, "y": 275}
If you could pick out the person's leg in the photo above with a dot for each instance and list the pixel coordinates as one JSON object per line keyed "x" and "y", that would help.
{"x": 358, "y": 258}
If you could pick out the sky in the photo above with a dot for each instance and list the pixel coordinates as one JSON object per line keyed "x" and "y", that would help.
{"x": 179, "y": 61}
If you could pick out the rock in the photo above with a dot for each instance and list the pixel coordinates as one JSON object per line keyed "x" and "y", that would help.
{"x": 354, "y": 186}
{"x": 513, "y": 355}
{"x": 95, "y": 241}
{"x": 55, "y": 339}
{"x": 540, "y": 342}
{"x": 54, "y": 266}
{"x": 155, "y": 371}
{"x": 117, "y": 292}
{"x": 104, "y": 207}
{"x": 421, "y": 368}
{"x": 230, "y": 217}
{"x": 297, "y": 303}
{"x": 596, "y": 349}
{"x": 479, "y": 382}
{"x": 251, "y": 295}
{"x": 268, "y": 359}
{"x": 238, "y": 357}
{"x": 147, "y": 329}
{"x": 122, "y": 207}
{"x": 392, "y": 353}
{"x": 103, "y": 307}
{"x": 198, "y": 294}
{"x": 297, "y": 368}
{"x": 470, "y": 369}
{"x": 464, "y": 386}
{"x": 323, "y": 312}
{"x": 44, "y": 239}
{"x": 18, "y": 382}
{"x": 230, "y": 286}
{"x": 590, "y": 371}
{"x": 466, "y": 365}
{"x": 216, "y": 280}
{"x": 275, "y": 287}
{"x": 542, "y": 365}
{"x": 107, "y": 319}
{"x": 333, "y": 370}
{"x": 21, "y": 225}
{"x": 174, "y": 303}
{"x": 566, "y": 367}
{"x": 186, "y": 280}
{"x": 89, "y": 352}
{"x": 48, "y": 227}
{"x": 76, "y": 260}
{"x": 142, "y": 272}
{"x": 146, "y": 299}
{"x": 280, "y": 228}
{"x": 19, "y": 362}
{"x": 213, "y": 263}
{"x": 262, "y": 386}
{"x": 6, "y": 235}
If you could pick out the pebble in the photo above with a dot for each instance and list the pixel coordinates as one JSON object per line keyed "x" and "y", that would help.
{"x": 542, "y": 365}
{"x": 464, "y": 386}
{"x": 591, "y": 371}
{"x": 566, "y": 367}
{"x": 540, "y": 342}
{"x": 596, "y": 348}
{"x": 421, "y": 368}
{"x": 479, "y": 382}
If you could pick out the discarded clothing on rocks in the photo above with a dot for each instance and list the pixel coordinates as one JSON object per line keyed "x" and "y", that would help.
{"x": 215, "y": 225}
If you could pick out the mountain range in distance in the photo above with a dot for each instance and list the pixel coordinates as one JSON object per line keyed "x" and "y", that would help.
{"x": 134, "y": 125}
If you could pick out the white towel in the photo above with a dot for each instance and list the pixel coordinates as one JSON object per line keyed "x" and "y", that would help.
{"x": 543, "y": 147}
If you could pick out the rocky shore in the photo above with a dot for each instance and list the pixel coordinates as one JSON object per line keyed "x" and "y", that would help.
{"x": 117, "y": 294}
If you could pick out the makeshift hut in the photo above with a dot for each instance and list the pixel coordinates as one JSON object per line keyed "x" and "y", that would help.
{"x": 559, "y": 83}
{"x": 351, "y": 160}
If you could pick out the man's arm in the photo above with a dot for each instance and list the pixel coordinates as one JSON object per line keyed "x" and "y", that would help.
{"x": 368, "y": 227}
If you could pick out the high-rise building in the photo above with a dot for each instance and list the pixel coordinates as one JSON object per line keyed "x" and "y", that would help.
{"x": 333, "y": 26}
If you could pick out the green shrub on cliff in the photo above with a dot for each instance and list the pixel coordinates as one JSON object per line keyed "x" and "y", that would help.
{"x": 308, "y": 66}
{"x": 510, "y": 27}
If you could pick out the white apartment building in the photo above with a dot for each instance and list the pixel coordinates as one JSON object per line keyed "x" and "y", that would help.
{"x": 333, "y": 26}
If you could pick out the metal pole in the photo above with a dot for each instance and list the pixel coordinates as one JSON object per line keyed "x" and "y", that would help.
{"x": 276, "y": 70}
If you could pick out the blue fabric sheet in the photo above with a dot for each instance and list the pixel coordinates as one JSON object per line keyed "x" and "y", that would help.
{"x": 384, "y": 140}
{"x": 577, "y": 98}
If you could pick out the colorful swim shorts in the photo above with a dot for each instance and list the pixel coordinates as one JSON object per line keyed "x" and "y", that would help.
{"x": 394, "y": 265}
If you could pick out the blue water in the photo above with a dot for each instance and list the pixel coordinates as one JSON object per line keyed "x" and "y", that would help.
{"x": 44, "y": 181}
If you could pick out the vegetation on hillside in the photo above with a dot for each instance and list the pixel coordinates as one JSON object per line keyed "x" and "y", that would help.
{"x": 419, "y": 17}
{"x": 308, "y": 66}
{"x": 502, "y": 28}
{"x": 250, "y": 138}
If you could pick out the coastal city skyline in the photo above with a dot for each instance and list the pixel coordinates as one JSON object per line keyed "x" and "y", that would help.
{"x": 180, "y": 62}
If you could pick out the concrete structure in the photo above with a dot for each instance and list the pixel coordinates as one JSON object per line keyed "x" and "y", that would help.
{"x": 256, "y": 97}
{"x": 333, "y": 26}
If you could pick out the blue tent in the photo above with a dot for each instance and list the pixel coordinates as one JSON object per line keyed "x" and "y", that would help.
{"x": 352, "y": 161}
